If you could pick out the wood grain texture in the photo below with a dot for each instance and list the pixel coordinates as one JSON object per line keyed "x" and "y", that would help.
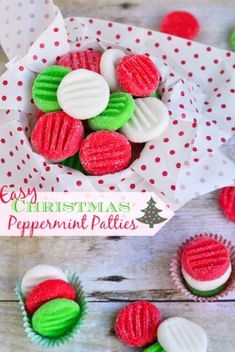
{"x": 216, "y": 16}
{"x": 97, "y": 333}
{"x": 118, "y": 270}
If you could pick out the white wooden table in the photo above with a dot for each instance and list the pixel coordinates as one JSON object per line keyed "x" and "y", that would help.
{"x": 115, "y": 271}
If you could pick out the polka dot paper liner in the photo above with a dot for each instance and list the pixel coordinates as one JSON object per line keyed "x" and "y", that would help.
{"x": 195, "y": 85}
{"x": 177, "y": 277}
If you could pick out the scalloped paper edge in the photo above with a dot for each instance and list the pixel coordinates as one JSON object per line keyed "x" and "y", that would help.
{"x": 176, "y": 275}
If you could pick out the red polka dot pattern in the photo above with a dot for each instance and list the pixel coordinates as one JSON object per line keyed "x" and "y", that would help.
{"x": 198, "y": 95}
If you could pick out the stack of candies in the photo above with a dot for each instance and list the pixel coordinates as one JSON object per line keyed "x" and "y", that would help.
{"x": 94, "y": 106}
{"x": 50, "y": 301}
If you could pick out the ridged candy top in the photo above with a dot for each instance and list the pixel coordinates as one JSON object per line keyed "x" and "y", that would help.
{"x": 56, "y": 317}
{"x": 57, "y": 136}
{"x": 137, "y": 75}
{"x": 205, "y": 259}
{"x": 45, "y": 88}
{"x": 119, "y": 110}
{"x": 137, "y": 323}
{"x": 105, "y": 152}
{"x": 181, "y": 335}
{"x": 89, "y": 60}
{"x": 48, "y": 290}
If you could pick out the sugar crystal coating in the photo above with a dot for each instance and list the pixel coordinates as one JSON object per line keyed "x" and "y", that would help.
{"x": 137, "y": 323}
{"x": 227, "y": 202}
{"x": 46, "y": 291}
{"x": 105, "y": 152}
{"x": 181, "y": 24}
{"x": 56, "y": 317}
{"x": 57, "y": 136}
{"x": 205, "y": 259}
{"x": 137, "y": 75}
{"x": 45, "y": 88}
{"x": 89, "y": 60}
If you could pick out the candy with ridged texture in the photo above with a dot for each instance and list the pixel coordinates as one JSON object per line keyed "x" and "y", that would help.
{"x": 119, "y": 110}
{"x": 38, "y": 274}
{"x": 181, "y": 24}
{"x": 149, "y": 120}
{"x": 227, "y": 202}
{"x": 55, "y": 318}
{"x": 137, "y": 75}
{"x": 182, "y": 335}
{"x": 89, "y": 60}
{"x": 105, "y": 152}
{"x": 205, "y": 266}
{"x": 45, "y": 88}
{"x": 108, "y": 63}
{"x": 57, "y": 136}
{"x": 46, "y": 291}
{"x": 83, "y": 94}
{"x": 137, "y": 324}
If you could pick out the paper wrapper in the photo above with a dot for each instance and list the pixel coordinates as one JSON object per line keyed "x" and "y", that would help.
{"x": 198, "y": 86}
{"x": 177, "y": 277}
{"x": 73, "y": 279}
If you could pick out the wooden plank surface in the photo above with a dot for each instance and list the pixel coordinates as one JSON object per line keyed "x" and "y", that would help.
{"x": 115, "y": 271}
{"x": 97, "y": 334}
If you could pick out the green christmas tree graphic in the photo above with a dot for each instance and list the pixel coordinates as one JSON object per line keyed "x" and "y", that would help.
{"x": 151, "y": 215}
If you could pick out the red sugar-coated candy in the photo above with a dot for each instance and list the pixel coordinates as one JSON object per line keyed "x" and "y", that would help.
{"x": 89, "y": 60}
{"x": 46, "y": 291}
{"x": 205, "y": 259}
{"x": 137, "y": 324}
{"x": 137, "y": 75}
{"x": 105, "y": 152}
{"x": 181, "y": 24}
{"x": 57, "y": 136}
{"x": 227, "y": 202}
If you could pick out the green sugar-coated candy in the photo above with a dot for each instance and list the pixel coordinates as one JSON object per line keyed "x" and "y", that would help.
{"x": 232, "y": 40}
{"x": 56, "y": 317}
{"x": 210, "y": 293}
{"x": 154, "y": 348}
{"x": 45, "y": 88}
{"x": 120, "y": 108}
{"x": 74, "y": 163}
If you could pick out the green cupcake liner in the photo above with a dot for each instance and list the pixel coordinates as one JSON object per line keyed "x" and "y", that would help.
{"x": 74, "y": 280}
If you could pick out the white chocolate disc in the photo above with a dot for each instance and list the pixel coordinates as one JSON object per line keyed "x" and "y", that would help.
{"x": 207, "y": 285}
{"x": 181, "y": 335}
{"x": 150, "y": 119}
{"x": 83, "y": 94}
{"x": 38, "y": 274}
{"x": 108, "y": 63}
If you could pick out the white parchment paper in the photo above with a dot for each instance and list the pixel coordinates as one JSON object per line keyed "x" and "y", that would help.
{"x": 198, "y": 87}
